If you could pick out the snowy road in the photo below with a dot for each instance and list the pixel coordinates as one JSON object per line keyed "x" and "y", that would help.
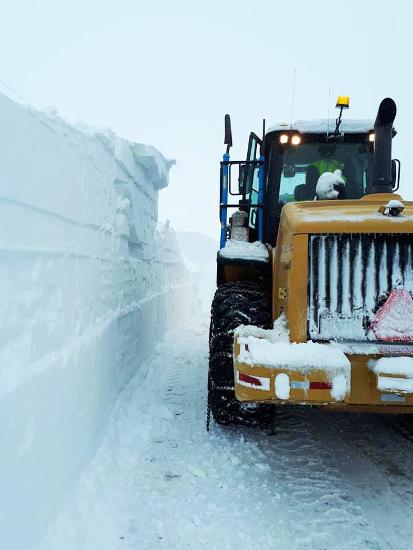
{"x": 159, "y": 480}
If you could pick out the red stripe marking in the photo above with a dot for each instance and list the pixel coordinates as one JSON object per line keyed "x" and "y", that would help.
{"x": 250, "y": 379}
{"x": 320, "y": 386}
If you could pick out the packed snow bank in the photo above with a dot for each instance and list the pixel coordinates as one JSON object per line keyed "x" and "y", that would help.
{"x": 86, "y": 292}
{"x": 245, "y": 251}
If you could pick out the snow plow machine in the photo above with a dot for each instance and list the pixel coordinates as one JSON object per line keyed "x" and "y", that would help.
{"x": 314, "y": 273}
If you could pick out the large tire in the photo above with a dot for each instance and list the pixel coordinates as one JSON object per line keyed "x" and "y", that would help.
{"x": 234, "y": 304}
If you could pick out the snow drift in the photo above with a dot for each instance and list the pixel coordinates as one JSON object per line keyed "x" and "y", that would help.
{"x": 86, "y": 291}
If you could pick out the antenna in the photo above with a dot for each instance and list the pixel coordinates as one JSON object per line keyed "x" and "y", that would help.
{"x": 292, "y": 99}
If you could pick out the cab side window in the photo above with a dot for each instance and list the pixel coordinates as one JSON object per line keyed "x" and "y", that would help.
{"x": 251, "y": 179}
{"x": 291, "y": 179}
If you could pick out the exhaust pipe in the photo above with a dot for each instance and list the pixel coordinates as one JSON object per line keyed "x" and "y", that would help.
{"x": 383, "y": 135}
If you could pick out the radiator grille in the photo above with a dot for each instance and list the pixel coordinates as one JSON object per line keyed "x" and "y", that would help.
{"x": 350, "y": 276}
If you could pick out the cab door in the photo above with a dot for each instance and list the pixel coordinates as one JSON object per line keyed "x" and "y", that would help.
{"x": 251, "y": 178}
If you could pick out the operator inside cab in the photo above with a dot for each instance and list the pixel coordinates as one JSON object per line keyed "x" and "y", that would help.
{"x": 315, "y": 164}
{"x": 319, "y": 171}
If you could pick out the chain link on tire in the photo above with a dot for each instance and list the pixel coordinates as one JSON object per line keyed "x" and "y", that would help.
{"x": 234, "y": 304}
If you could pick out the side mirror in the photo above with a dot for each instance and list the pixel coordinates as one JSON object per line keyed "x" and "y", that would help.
{"x": 395, "y": 174}
{"x": 228, "y": 133}
{"x": 289, "y": 171}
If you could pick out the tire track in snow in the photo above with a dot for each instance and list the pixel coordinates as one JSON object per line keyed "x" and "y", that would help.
{"x": 210, "y": 476}
{"x": 377, "y": 465}
{"x": 321, "y": 509}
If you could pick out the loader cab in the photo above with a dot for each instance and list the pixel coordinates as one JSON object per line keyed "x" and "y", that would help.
{"x": 296, "y": 157}
{"x": 285, "y": 165}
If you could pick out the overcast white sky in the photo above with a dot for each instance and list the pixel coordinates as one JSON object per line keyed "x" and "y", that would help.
{"x": 165, "y": 73}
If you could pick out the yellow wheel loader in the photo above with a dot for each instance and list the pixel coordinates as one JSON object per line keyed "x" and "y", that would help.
{"x": 314, "y": 273}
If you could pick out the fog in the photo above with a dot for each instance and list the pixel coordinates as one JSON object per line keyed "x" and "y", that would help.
{"x": 166, "y": 73}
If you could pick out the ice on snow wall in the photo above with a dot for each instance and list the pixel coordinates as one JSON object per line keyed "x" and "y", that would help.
{"x": 86, "y": 291}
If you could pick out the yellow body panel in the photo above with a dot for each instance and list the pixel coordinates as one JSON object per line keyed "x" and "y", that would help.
{"x": 290, "y": 281}
{"x": 363, "y": 392}
{"x": 298, "y": 220}
{"x": 346, "y": 216}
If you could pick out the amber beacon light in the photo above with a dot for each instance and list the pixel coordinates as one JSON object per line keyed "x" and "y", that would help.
{"x": 343, "y": 102}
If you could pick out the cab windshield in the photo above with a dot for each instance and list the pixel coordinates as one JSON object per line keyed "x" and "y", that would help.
{"x": 302, "y": 165}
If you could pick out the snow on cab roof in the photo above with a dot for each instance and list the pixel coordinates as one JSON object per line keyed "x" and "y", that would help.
{"x": 320, "y": 126}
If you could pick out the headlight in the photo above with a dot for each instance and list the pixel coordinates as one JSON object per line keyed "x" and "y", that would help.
{"x": 295, "y": 140}
{"x": 284, "y": 138}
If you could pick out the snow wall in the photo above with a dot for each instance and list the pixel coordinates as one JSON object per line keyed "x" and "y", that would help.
{"x": 87, "y": 288}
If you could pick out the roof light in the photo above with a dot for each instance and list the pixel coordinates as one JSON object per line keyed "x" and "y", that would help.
{"x": 371, "y": 137}
{"x": 295, "y": 140}
{"x": 283, "y": 138}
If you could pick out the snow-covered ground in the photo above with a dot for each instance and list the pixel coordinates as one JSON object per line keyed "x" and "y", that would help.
{"x": 159, "y": 480}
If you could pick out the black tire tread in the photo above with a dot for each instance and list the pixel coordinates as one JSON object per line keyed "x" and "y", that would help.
{"x": 247, "y": 303}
